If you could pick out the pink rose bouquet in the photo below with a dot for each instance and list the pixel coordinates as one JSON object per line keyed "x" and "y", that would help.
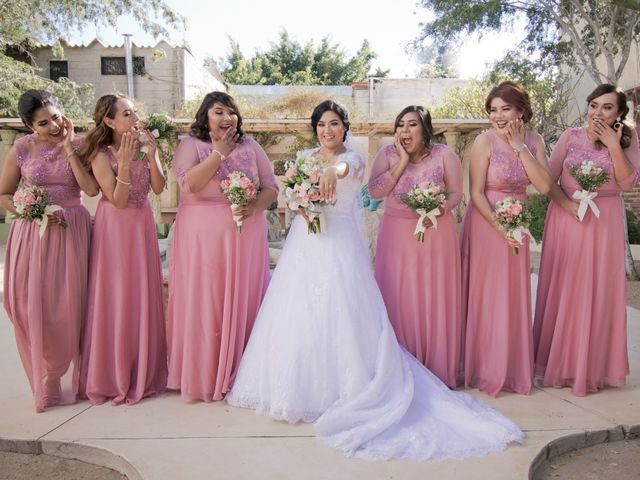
{"x": 239, "y": 190}
{"x": 425, "y": 199}
{"x": 33, "y": 204}
{"x": 302, "y": 190}
{"x": 514, "y": 217}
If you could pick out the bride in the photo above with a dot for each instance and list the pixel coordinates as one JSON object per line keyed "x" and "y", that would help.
{"x": 322, "y": 349}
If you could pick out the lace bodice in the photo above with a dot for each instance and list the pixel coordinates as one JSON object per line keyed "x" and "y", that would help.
{"x": 140, "y": 177}
{"x": 442, "y": 167}
{"x": 506, "y": 172}
{"x": 574, "y": 147}
{"x": 46, "y": 165}
{"x": 248, "y": 157}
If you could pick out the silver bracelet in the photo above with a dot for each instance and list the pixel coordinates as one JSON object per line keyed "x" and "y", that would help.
{"x": 122, "y": 181}
{"x": 222, "y": 157}
{"x": 520, "y": 149}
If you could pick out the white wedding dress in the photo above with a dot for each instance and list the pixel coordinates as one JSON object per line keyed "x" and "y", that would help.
{"x": 322, "y": 350}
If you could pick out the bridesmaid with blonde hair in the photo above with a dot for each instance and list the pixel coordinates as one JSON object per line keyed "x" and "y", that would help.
{"x": 124, "y": 347}
{"x": 496, "y": 283}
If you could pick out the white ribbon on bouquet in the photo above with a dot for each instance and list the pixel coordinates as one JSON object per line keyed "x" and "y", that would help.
{"x": 586, "y": 201}
{"x": 431, "y": 215}
{"x": 236, "y": 218}
{"x": 44, "y": 221}
{"x": 518, "y": 234}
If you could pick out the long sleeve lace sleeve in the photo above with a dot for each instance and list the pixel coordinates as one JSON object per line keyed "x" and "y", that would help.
{"x": 381, "y": 182}
{"x": 265, "y": 170}
{"x": 558, "y": 154}
{"x": 184, "y": 159}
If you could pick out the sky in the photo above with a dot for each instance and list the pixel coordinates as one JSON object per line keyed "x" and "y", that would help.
{"x": 389, "y": 27}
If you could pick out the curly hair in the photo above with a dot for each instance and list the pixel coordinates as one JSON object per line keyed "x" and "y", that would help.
{"x": 200, "y": 127}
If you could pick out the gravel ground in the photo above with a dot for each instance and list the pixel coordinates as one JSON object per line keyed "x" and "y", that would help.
{"x": 19, "y": 466}
{"x": 615, "y": 461}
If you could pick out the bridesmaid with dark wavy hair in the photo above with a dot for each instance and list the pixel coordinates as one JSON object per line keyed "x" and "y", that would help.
{"x": 580, "y": 330}
{"x": 217, "y": 276}
{"x": 45, "y": 276}
{"x": 420, "y": 282}
{"x": 124, "y": 345}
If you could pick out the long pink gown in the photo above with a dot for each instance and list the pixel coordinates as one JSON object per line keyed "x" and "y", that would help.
{"x": 496, "y": 285}
{"x": 420, "y": 282}
{"x": 580, "y": 329}
{"x": 45, "y": 279}
{"x": 124, "y": 355}
{"x": 217, "y": 276}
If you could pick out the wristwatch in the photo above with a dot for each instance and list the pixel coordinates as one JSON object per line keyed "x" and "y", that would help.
{"x": 520, "y": 149}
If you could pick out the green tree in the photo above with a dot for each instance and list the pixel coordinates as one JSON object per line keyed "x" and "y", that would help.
{"x": 25, "y": 23}
{"x": 287, "y": 62}
{"x": 437, "y": 61}
{"x": 544, "y": 83}
{"x": 578, "y": 33}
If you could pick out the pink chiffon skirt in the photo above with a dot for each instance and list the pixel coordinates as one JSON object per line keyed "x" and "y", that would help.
{"x": 420, "y": 283}
{"x": 496, "y": 307}
{"x": 45, "y": 298}
{"x": 216, "y": 283}
{"x": 124, "y": 343}
{"x": 580, "y": 330}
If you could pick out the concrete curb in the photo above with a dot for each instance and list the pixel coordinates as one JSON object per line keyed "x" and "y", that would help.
{"x": 75, "y": 451}
{"x": 578, "y": 441}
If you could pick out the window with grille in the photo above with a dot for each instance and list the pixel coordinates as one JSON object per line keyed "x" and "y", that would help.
{"x": 58, "y": 69}
{"x": 118, "y": 66}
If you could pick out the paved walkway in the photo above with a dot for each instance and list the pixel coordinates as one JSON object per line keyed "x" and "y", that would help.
{"x": 165, "y": 438}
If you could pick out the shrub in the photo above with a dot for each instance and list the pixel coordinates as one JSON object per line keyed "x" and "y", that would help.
{"x": 537, "y": 205}
{"x": 633, "y": 227}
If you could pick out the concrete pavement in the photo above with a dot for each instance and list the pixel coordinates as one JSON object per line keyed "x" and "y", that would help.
{"x": 165, "y": 438}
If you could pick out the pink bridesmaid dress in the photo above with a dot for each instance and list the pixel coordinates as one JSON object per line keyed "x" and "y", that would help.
{"x": 420, "y": 282}
{"x": 217, "y": 276}
{"x": 580, "y": 329}
{"x": 45, "y": 279}
{"x": 124, "y": 345}
{"x": 496, "y": 285}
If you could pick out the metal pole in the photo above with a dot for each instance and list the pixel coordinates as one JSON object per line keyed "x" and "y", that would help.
{"x": 129, "y": 64}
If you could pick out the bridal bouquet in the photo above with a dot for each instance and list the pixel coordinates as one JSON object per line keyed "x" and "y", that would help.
{"x": 513, "y": 216}
{"x": 33, "y": 204}
{"x": 239, "y": 190}
{"x": 590, "y": 178}
{"x": 302, "y": 190}
{"x": 425, "y": 199}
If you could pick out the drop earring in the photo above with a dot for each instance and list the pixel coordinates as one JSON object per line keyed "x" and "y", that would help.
{"x": 617, "y": 124}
